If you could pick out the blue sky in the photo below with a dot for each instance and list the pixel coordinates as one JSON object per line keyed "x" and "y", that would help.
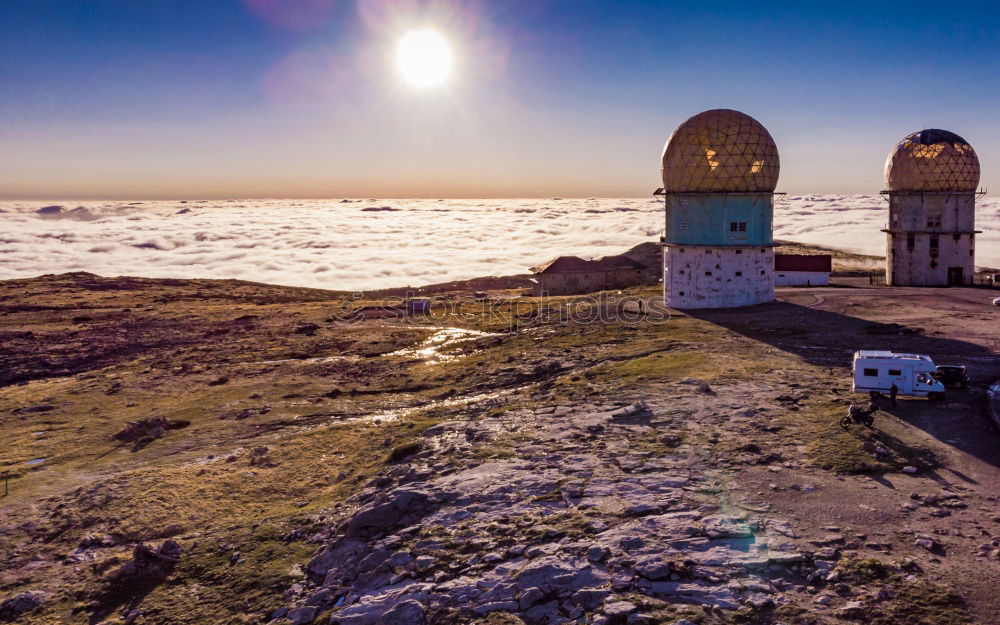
{"x": 283, "y": 98}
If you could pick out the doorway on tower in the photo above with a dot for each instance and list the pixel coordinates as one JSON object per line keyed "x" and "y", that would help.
{"x": 955, "y": 276}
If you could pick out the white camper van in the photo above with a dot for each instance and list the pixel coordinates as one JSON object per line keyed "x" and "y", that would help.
{"x": 913, "y": 374}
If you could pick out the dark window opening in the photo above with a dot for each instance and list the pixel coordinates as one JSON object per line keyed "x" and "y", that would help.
{"x": 739, "y": 273}
{"x": 957, "y": 236}
{"x": 739, "y": 251}
{"x": 681, "y": 293}
{"x": 895, "y": 372}
{"x": 871, "y": 373}
{"x": 934, "y": 244}
{"x": 708, "y": 273}
{"x": 911, "y": 242}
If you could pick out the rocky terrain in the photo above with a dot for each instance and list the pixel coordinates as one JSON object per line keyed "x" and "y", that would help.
{"x": 225, "y": 452}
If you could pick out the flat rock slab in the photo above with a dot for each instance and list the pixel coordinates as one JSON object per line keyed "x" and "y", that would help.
{"x": 578, "y": 519}
{"x": 701, "y": 594}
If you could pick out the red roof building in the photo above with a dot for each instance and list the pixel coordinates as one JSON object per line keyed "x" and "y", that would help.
{"x": 802, "y": 269}
{"x": 803, "y": 262}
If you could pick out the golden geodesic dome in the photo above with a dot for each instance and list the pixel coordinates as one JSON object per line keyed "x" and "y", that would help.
{"x": 720, "y": 151}
{"x": 932, "y": 160}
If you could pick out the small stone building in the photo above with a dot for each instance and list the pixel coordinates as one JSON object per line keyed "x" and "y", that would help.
{"x": 802, "y": 269}
{"x": 572, "y": 275}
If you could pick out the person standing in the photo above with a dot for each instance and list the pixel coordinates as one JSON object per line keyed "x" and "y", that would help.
{"x": 892, "y": 394}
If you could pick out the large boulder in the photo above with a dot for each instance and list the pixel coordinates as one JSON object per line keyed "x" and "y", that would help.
{"x": 379, "y": 516}
{"x": 654, "y": 567}
{"x": 339, "y": 561}
{"x": 23, "y": 603}
{"x": 405, "y": 613}
{"x": 148, "y": 568}
{"x": 404, "y": 606}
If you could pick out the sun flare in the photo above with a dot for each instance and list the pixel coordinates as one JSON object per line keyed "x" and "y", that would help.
{"x": 424, "y": 58}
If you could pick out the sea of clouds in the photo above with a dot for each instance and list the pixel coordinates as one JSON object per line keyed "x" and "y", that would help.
{"x": 364, "y": 244}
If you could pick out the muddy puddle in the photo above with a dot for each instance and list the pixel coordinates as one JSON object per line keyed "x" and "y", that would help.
{"x": 481, "y": 400}
{"x": 320, "y": 359}
{"x": 438, "y": 346}
{"x": 435, "y": 348}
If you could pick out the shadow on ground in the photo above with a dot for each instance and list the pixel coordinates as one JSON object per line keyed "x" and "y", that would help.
{"x": 829, "y": 339}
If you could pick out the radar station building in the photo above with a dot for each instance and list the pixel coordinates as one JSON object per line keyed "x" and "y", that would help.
{"x": 720, "y": 169}
{"x": 931, "y": 178}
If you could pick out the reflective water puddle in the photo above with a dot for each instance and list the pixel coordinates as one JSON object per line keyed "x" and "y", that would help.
{"x": 432, "y": 349}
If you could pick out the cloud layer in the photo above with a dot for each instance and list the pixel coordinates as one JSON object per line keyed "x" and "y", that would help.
{"x": 364, "y": 244}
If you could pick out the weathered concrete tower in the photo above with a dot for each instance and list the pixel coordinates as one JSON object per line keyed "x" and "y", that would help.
{"x": 720, "y": 169}
{"x": 931, "y": 178}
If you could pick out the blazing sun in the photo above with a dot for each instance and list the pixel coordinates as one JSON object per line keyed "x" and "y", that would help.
{"x": 424, "y": 58}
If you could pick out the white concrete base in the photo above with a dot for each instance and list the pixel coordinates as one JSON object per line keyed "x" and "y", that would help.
{"x": 931, "y": 239}
{"x": 717, "y": 277}
{"x": 924, "y": 265}
{"x": 801, "y": 278}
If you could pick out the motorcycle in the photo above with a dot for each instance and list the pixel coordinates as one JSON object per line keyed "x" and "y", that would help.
{"x": 859, "y": 415}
